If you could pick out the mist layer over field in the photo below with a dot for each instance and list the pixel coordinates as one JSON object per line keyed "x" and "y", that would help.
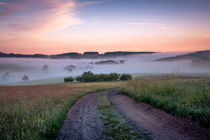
{"x": 14, "y": 70}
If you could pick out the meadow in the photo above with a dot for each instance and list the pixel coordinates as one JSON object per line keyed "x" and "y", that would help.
{"x": 182, "y": 96}
{"x": 38, "y": 112}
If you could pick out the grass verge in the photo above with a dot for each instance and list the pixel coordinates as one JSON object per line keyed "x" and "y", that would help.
{"x": 189, "y": 98}
{"x": 116, "y": 126}
{"x": 38, "y": 112}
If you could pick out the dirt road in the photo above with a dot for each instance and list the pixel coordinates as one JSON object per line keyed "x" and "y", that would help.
{"x": 83, "y": 120}
{"x": 156, "y": 123}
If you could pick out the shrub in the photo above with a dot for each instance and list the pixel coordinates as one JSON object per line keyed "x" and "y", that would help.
{"x": 69, "y": 79}
{"x": 89, "y": 73}
{"x": 114, "y": 76}
{"x": 25, "y": 77}
{"x": 79, "y": 79}
{"x": 45, "y": 68}
{"x": 125, "y": 77}
{"x": 70, "y": 68}
{"x": 5, "y": 76}
{"x": 90, "y": 77}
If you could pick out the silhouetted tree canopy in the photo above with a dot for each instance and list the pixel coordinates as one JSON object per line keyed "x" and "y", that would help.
{"x": 69, "y": 79}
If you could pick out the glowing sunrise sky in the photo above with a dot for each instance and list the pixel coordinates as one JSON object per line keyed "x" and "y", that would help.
{"x": 59, "y": 26}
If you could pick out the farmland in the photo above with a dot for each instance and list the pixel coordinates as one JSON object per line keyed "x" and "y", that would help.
{"x": 34, "y": 112}
{"x": 39, "y": 111}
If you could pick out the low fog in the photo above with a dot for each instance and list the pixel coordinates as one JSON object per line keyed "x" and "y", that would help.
{"x": 17, "y": 70}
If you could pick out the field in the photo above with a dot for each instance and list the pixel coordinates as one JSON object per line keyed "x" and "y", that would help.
{"x": 182, "y": 96}
{"x": 39, "y": 111}
{"x": 35, "y": 112}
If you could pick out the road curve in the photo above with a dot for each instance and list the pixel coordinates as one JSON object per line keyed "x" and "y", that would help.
{"x": 83, "y": 120}
{"x": 155, "y": 123}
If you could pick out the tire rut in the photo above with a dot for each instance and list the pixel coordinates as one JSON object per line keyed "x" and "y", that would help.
{"x": 83, "y": 120}
{"x": 155, "y": 123}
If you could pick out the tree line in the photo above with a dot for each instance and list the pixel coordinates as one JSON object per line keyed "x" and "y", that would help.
{"x": 91, "y": 77}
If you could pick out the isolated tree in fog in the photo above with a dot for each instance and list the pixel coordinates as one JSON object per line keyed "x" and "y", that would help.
{"x": 45, "y": 68}
{"x": 25, "y": 77}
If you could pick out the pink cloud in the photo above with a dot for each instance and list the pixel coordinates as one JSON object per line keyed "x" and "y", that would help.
{"x": 152, "y": 24}
{"x": 207, "y": 35}
{"x": 39, "y": 16}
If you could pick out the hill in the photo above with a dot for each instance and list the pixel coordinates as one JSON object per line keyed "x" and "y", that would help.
{"x": 202, "y": 55}
{"x": 198, "y": 59}
{"x": 23, "y": 55}
{"x": 74, "y": 55}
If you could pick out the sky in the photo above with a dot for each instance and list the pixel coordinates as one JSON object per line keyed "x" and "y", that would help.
{"x": 60, "y": 26}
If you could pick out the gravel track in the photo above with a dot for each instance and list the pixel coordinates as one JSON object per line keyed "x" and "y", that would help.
{"x": 155, "y": 123}
{"x": 83, "y": 120}
{"x": 84, "y": 123}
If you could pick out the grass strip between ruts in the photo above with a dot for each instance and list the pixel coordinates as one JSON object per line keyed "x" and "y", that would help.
{"x": 116, "y": 127}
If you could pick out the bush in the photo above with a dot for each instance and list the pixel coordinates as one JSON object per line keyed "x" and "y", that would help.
{"x": 70, "y": 68}
{"x": 69, "y": 79}
{"x": 90, "y": 77}
{"x": 79, "y": 79}
{"x": 25, "y": 77}
{"x": 125, "y": 77}
{"x": 45, "y": 68}
{"x": 114, "y": 76}
{"x": 5, "y": 76}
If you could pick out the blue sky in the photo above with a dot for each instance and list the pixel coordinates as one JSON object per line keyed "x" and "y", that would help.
{"x": 34, "y": 26}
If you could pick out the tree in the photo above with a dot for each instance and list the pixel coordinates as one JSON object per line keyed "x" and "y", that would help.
{"x": 79, "y": 79}
{"x": 45, "y": 68}
{"x": 69, "y": 79}
{"x": 25, "y": 77}
{"x": 113, "y": 76}
{"x": 90, "y": 77}
{"x": 125, "y": 77}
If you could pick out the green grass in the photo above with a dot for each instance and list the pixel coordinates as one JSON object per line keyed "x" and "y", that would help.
{"x": 116, "y": 126}
{"x": 38, "y": 112}
{"x": 185, "y": 97}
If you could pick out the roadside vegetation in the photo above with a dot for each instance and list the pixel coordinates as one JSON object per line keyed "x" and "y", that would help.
{"x": 115, "y": 125}
{"x": 38, "y": 112}
{"x": 91, "y": 77}
{"x": 186, "y": 97}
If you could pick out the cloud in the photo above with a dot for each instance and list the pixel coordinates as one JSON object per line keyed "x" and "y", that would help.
{"x": 94, "y": 22}
{"x": 38, "y": 16}
{"x": 81, "y": 4}
{"x": 207, "y": 35}
{"x": 152, "y": 24}
{"x": 198, "y": 42}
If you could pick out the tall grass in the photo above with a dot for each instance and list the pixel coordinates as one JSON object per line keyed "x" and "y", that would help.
{"x": 116, "y": 127}
{"x": 38, "y": 112}
{"x": 184, "y": 97}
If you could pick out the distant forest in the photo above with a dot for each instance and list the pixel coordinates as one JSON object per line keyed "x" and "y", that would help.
{"x": 75, "y": 55}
